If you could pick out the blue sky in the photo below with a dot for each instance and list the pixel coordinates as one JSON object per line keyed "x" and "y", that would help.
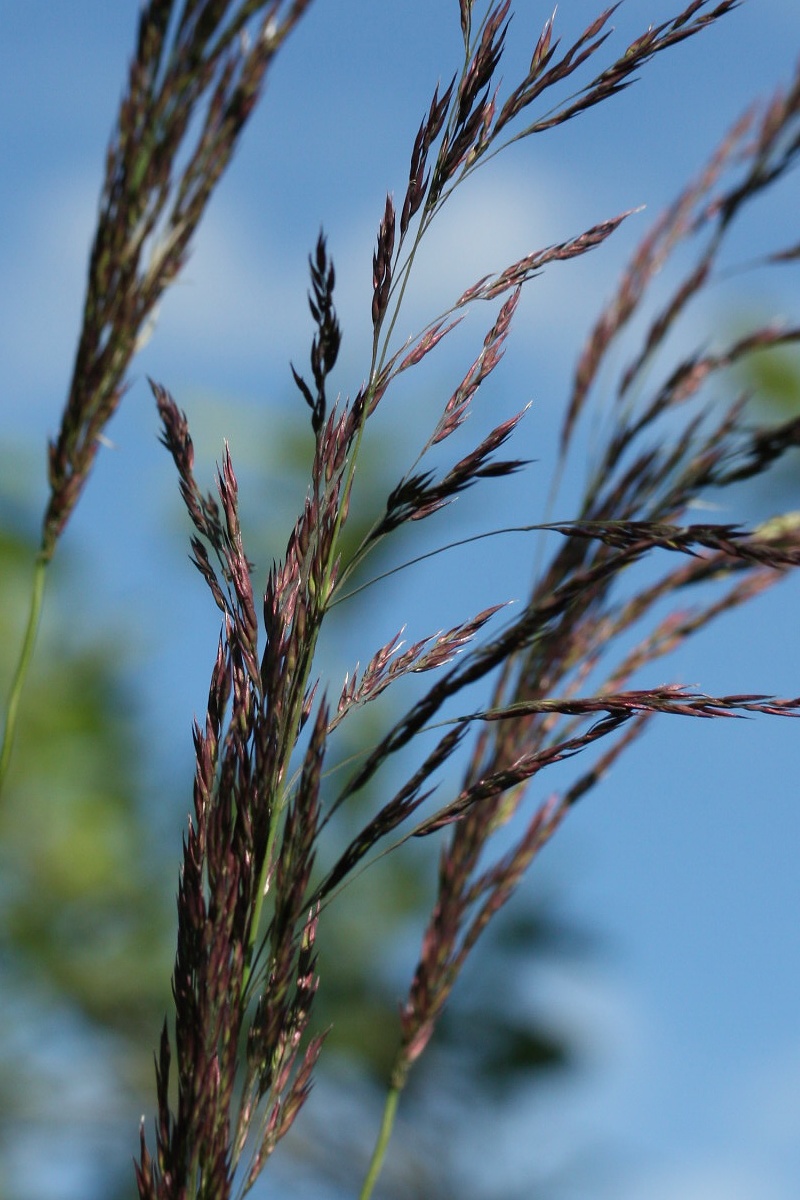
{"x": 685, "y": 862}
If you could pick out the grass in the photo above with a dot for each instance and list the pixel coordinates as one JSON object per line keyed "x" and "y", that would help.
{"x": 553, "y": 676}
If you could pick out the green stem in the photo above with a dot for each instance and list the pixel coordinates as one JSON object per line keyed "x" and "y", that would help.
{"x": 381, "y": 1145}
{"x": 26, "y": 653}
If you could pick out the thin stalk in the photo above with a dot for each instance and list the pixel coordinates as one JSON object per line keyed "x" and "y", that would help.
{"x": 382, "y": 1143}
{"x": 20, "y": 675}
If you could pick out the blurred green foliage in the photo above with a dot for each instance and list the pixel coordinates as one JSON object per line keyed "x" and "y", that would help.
{"x": 773, "y": 378}
{"x": 85, "y": 927}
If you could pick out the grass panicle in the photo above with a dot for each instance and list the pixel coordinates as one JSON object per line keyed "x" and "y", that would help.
{"x": 258, "y": 880}
{"x": 197, "y": 74}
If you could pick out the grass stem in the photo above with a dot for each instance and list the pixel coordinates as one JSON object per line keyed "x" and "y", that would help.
{"x": 382, "y": 1143}
{"x": 20, "y": 675}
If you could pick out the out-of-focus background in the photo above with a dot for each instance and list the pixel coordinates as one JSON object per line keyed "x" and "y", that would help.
{"x": 631, "y": 1029}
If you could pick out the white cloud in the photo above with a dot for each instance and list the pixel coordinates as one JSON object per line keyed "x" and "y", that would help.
{"x": 703, "y": 1180}
{"x": 44, "y": 270}
{"x": 243, "y": 290}
{"x": 641, "y": 1117}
